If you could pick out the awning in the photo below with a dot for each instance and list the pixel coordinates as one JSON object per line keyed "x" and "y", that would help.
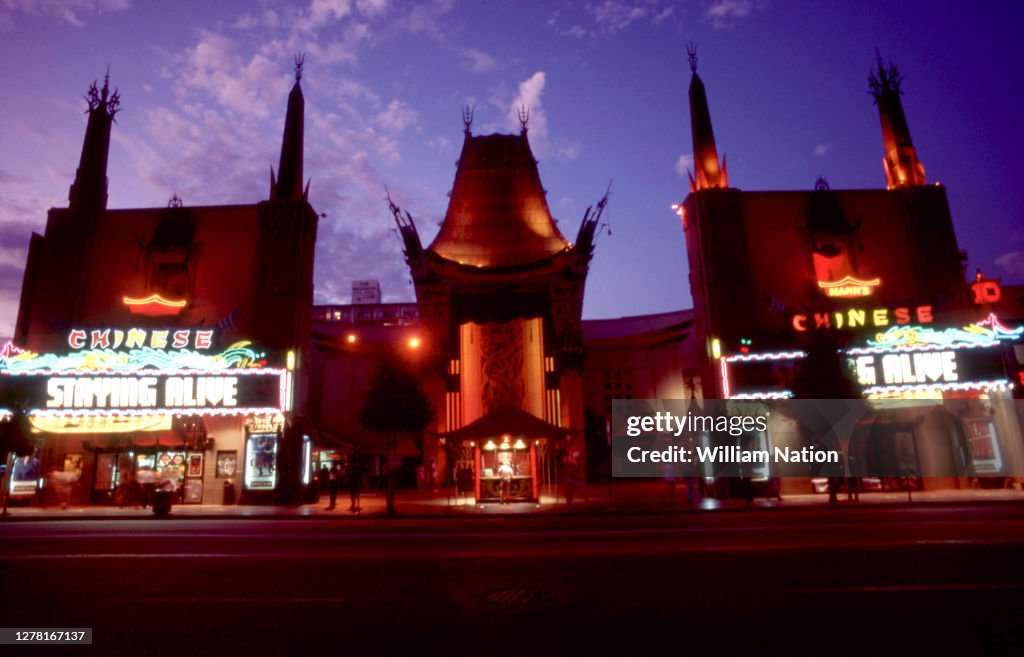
{"x": 512, "y": 421}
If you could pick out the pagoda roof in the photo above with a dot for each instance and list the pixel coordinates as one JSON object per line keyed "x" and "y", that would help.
{"x": 498, "y": 215}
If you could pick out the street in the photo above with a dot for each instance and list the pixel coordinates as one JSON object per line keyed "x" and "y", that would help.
{"x": 803, "y": 580}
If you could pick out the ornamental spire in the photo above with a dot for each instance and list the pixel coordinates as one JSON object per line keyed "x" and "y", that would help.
{"x": 902, "y": 168}
{"x": 89, "y": 190}
{"x": 709, "y": 173}
{"x": 288, "y": 186}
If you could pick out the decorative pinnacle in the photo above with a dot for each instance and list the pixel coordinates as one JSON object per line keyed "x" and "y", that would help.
{"x": 467, "y": 117}
{"x": 300, "y": 59}
{"x": 95, "y": 97}
{"x": 524, "y": 116}
{"x": 886, "y": 80}
{"x": 691, "y": 52}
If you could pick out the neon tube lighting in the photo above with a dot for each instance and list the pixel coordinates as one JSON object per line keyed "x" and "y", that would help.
{"x": 155, "y": 299}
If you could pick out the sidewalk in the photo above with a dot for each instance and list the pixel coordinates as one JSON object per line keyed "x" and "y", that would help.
{"x": 621, "y": 497}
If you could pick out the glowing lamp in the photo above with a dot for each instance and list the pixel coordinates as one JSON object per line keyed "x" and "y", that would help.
{"x": 414, "y": 343}
{"x": 350, "y": 338}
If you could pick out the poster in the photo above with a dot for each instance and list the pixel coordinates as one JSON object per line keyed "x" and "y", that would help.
{"x": 261, "y": 461}
{"x": 227, "y": 464}
{"x": 193, "y": 491}
{"x": 195, "y": 464}
{"x": 24, "y": 475}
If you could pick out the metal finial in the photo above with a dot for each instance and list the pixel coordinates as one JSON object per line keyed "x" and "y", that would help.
{"x": 524, "y": 116}
{"x": 175, "y": 201}
{"x": 467, "y": 117}
{"x": 821, "y": 185}
{"x": 300, "y": 59}
{"x": 96, "y": 97}
{"x": 886, "y": 80}
{"x": 691, "y": 52}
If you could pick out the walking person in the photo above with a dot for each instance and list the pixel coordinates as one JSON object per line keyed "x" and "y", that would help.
{"x": 332, "y": 484}
{"x": 354, "y": 477}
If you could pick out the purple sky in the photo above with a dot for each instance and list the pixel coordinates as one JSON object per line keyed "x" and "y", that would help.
{"x": 204, "y": 85}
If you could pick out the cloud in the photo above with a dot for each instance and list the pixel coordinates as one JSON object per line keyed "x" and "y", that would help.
{"x": 821, "y": 149}
{"x": 478, "y": 61}
{"x": 683, "y": 165}
{"x": 610, "y": 17}
{"x": 323, "y": 12}
{"x": 529, "y": 99}
{"x": 73, "y": 12}
{"x": 397, "y": 117}
{"x": 1012, "y": 265}
{"x": 725, "y": 13}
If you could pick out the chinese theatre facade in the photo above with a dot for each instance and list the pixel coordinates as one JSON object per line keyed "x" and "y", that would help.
{"x": 166, "y": 346}
{"x": 853, "y": 293}
{"x": 500, "y": 294}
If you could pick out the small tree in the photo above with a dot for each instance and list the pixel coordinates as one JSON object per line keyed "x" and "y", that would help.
{"x": 395, "y": 404}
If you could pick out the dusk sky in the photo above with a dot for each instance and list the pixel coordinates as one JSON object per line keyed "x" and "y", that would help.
{"x": 204, "y": 86}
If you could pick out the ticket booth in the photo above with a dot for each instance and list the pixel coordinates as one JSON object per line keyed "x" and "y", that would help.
{"x": 503, "y": 445}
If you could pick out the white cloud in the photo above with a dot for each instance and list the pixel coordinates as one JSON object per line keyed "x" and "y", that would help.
{"x": 1012, "y": 265}
{"x": 73, "y": 12}
{"x": 529, "y": 99}
{"x": 683, "y": 165}
{"x": 725, "y": 13}
{"x": 822, "y": 149}
{"x": 322, "y": 12}
{"x": 396, "y": 117}
{"x": 478, "y": 61}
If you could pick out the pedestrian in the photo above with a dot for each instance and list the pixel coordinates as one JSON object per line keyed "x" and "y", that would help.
{"x": 354, "y": 476}
{"x": 332, "y": 484}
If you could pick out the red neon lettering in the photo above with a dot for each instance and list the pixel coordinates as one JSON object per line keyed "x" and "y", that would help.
{"x": 821, "y": 320}
{"x": 76, "y": 339}
{"x": 204, "y": 339}
{"x": 924, "y": 315}
{"x": 902, "y": 315}
{"x": 100, "y": 339}
{"x": 800, "y": 322}
{"x": 180, "y": 340}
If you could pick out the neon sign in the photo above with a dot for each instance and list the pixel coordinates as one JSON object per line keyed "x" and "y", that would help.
{"x": 154, "y": 305}
{"x": 848, "y": 286}
{"x": 238, "y": 356}
{"x": 854, "y": 318}
{"x": 928, "y": 367}
{"x": 135, "y": 338}
{"x": 987, "y": 332}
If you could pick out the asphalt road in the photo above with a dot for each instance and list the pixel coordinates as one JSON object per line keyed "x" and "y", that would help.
{"x": 949, "y": 580}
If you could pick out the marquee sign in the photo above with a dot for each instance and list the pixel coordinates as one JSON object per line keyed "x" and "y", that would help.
{"x": 144, "y": 372}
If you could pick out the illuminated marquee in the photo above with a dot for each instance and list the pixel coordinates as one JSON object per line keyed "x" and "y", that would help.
{"x": 927, "y": 367}
{"x": 916, "y": 359}
{"x": 849, "y": 286}
{"x": 143, "y": 379}
{"x": 855, "y": 318}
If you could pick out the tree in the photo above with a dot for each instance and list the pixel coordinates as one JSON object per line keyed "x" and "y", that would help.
{"x": 395, "y": 404}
